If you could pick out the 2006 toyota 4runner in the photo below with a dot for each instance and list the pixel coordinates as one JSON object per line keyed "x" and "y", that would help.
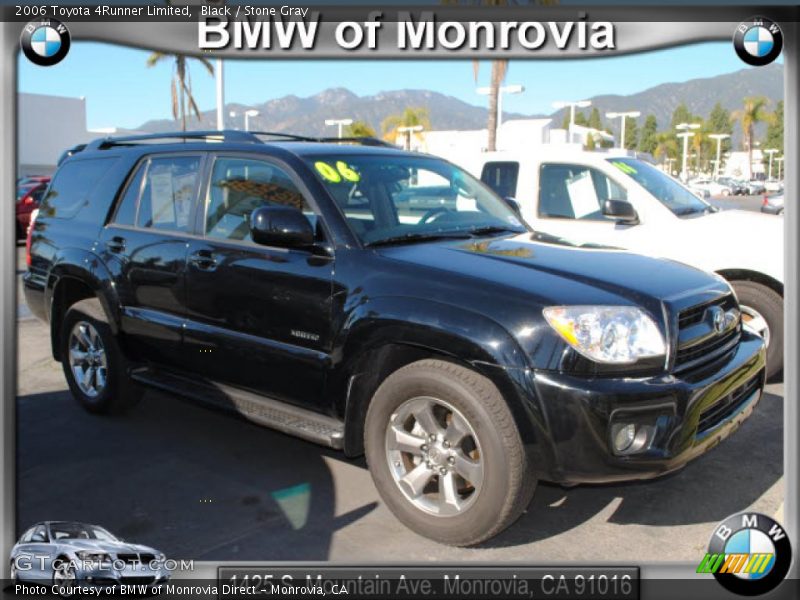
{"x": 384, "y": 302}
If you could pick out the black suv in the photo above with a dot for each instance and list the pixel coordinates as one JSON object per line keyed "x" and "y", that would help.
{"x": 384, "y": 302}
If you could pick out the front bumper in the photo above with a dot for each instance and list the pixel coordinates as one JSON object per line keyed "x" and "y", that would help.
{"x": 687, "y": 416}
{"x": 109, "y": 577}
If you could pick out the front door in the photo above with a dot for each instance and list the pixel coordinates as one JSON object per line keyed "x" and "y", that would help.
{"x": 257, "y": 317}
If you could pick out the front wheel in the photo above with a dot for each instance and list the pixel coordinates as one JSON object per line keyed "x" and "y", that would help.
{"x": 445, "y": 453}
{"x": 64, "y": 579}
{"x": 762, "y": 312}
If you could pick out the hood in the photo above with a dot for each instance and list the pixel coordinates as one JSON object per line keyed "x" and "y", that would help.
{"x": 558, "y": 272}
{"x": 107, "y": 547}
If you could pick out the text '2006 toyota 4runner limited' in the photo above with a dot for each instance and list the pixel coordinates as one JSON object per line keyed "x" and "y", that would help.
{"x": 387, "y": 303}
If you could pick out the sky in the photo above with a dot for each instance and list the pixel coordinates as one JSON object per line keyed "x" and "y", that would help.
{"x": 121, "y": 91}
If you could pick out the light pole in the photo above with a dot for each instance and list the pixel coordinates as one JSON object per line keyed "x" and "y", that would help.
{"x": 771, "y": 152}
{"x": 247, "y": 114}
{"x": 633, "y": 114}
{"x": 504, "y": 89}
{"x": 220, "y": 77}
{"x": 719, "y": 137}
{"x": 233, "y": 114}
{"x": 340, "y": 122}
{"x": 779, "y": 160}
{"x": 686, "y": 134}
{"x": 572, "y": 106}
{"x": 408, "y": 130}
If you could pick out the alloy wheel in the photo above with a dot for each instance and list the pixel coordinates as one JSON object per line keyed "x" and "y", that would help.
{"x": 434, "y": 456}
{"x": 87, "y": 359}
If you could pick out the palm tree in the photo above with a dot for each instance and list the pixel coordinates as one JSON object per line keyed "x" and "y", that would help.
{"x": 410, "y": 117}
{"x": 499, "y": 70}
{"x": 182, "y": 97}
{"x": 753, "y": 112}
{"x": 359, "y": 129}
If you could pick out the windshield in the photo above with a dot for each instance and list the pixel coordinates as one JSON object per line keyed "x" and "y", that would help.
{"x": 79, "y": 531}
{"x": 389, "y": 198}
{"x": 666, "y": 190}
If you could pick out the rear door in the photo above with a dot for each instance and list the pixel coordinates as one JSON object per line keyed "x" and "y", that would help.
{"x": 259, "y": 317}
{"x": 145, "y": 246}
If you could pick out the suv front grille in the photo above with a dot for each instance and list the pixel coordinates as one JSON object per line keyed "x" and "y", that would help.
{"x": 704, "y": 345}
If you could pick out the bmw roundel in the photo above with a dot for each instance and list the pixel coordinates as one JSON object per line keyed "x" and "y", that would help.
{"x": 749, "y": 554}
{"x": 45, "y": 41}
{"x": 758, "y": 41}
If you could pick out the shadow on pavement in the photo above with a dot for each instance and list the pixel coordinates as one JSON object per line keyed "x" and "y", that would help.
{"x": 181, "y": 478}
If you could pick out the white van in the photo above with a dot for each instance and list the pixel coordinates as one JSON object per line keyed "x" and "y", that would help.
{"x": 615, "y": 200}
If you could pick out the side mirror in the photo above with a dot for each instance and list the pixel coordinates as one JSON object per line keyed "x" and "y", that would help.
{"x": 280, "y": 226}
{"x": 513, "y": 205}
{"x": 621, "y": 210}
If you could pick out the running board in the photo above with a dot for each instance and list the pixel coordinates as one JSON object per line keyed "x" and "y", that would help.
{"x": 274, "y": 414}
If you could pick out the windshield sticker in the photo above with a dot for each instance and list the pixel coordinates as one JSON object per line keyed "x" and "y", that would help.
{"x": 346, "y": 172}
{"x": 624, "y": 167}
{"x": 327, "y": 172}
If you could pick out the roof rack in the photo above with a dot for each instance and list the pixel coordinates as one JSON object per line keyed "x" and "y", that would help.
{"x": 225, "y": 135}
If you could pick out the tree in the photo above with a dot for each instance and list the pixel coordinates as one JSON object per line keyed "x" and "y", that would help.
{"x": 498, "y": 75}
{"x": 719, "y": 121}
{"x": 183, "y": 101}
{"x": 359, "y": 129}
{"x": 648, "y": 138}
{"x": 774, "y": 137}
{"x": 682, "y": 114}
{"x": 752, "y": 113}
{"x": 410, "y": 117}
{"x": 631, "y": 133}
{"x": 595, "y": 122}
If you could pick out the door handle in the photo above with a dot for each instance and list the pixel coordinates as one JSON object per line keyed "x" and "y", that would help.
{"x": 116, "y": 244}
{"x": 203, "y": 259}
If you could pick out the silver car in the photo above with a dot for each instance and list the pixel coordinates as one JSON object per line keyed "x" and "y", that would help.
{"x": 68, "y": 554}
{"x": 773, "y": 205}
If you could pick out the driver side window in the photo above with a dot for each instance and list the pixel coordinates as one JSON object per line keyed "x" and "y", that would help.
{"x": 39, "y": 534}
{"x": 575, "y": 192}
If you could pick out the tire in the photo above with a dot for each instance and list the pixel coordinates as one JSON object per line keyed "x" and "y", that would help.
{"x": 490, "y": 452}
{"x": 109, "y": 390}
{"x": 759, "y": 300}
{"x": 63, "y": 577}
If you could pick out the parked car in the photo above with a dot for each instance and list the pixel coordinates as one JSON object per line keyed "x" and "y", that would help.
{"x": 755, "y": 187}
{"x": 714, "y": 188}
{"x": 737, "y": 187}
{"x": 773, "y": 186}
{"x": 33, "y": 179}
{"x": 29, "y": 195}
{"x": 773, "y": 205}
{"x": 699, "y": 191}
{"x": 298, "y": 283}
{"x": 563, "y": 192}
{"x": 69, "y": 554}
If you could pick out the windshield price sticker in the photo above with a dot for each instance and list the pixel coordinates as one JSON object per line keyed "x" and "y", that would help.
{"x": 464, "y": 583}
{"x": 336, "y": 174}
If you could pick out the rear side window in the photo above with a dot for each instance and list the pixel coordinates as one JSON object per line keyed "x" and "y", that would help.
{"x": 73, "y": 185}
{"x": 501, "y": 177}
{"x": 161, "y": 195}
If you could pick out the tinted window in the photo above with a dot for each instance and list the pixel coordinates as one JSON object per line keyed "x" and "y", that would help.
{"x": 26, "y": 537}
{"x": 501, "y": 177}
{"x": 72, "y": 186}
{"x": 241, "y": 185}
{"x": 39, "y": 534}
{"x": 575, "y": 192}
{"x": 169, "y": 193}
{"x": 126, "y": 212}
{"x": 38, "y": 194}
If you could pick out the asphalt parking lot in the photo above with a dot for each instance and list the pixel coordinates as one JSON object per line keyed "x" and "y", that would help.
{"x": 198, "y": 484}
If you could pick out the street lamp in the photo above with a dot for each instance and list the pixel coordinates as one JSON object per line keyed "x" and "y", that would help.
{"x": 686, "y": 134}
{"x": 779, "y": 160}
{"x": 770, "y": 151}
{"x": 247, "y": 114}
{"x": 220, "y": 77}
{"x": 408, "y": 130}
{"x": 504, "y": 89}
{"x": 572, "y": 106}
{"x": 719, "y": 137}
{"x": 340, "y": 122}
{"x": 634, "y": 114}
{"x": 233, "y": 114}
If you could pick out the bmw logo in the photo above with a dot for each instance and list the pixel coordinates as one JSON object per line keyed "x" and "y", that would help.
{"x": 758, "y": 41}
{"x": 45, "y": 41}
{"x": 749, "y": 554}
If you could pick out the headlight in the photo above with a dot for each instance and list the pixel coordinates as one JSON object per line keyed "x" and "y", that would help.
{"x": 607, "y": 334}
{"x": 93, "y": 557}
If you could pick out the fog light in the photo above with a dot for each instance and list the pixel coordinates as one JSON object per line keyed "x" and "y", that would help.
{"x": 624, "y": 437}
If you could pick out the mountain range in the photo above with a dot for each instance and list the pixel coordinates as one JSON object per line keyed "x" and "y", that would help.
{"x": 306, "y": 116}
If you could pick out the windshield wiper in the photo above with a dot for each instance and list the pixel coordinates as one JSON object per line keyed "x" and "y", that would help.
{"x": 490, "y": 229}
{"x": 418, "y": 237}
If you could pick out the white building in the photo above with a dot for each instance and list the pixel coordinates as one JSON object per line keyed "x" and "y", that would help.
{"x": 48, "y": 125}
